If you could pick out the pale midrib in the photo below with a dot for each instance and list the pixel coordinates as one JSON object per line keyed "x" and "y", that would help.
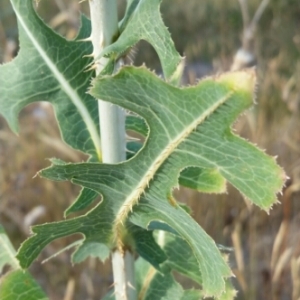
{"x": 74, "y": 97}
{"x": 10, "y": 254}
{"x": 133, "y": 198}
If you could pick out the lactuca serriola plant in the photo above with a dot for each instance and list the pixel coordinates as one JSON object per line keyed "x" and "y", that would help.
{"x": 188, "y": 142}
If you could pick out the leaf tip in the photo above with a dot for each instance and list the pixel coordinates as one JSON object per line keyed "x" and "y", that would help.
{"x": 244, "y": 80}
{"x": 12, "y": 121}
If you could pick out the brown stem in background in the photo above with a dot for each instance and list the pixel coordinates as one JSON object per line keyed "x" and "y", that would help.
{"x": 245, "y": 56}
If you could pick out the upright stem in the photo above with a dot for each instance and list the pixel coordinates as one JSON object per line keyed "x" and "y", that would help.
{"x": 113, "y": 138}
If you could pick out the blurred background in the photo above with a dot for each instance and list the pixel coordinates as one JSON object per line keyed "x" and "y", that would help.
{"x": 215, "y": 36}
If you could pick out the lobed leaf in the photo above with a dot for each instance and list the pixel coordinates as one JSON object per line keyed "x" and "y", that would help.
{"x": 188, "y": 133}
{"x": 193, "y": 124}
{"x": 143, "y": 21}
{"x": 50, "y": 68}
{"x": 188, "y": 127}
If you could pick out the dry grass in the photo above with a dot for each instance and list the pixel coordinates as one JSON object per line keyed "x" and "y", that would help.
{"x": 266, "y": 248}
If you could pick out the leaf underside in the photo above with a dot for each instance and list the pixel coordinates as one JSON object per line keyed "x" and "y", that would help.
{"x": 201, "y": 138}
{"x": 188, "y": 141}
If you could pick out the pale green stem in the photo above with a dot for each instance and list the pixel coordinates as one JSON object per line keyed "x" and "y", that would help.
{"x": 112, "y": 130}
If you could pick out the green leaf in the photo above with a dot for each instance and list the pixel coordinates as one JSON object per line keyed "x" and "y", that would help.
{"x": 230, "y": 292}
{"x": 144, "y": 273}
{"x": 87, "y": 196}
{"x": 192, "y": 295}
{"x": 188, "y": 127}
{"x": 20, "y": 285}
{"x": 154, "y": 285}
{"x": 161, "y": 286}
{"x": 91, "y": 249}
{"x": 211, "y": 266}
{"x": 50, "y": 68}
{"x": 203, "y": 180}
{"x": 143, "y": 21}
{"x": 130, "y": 8}
{"x": 68, "y": 247}
{"x": 147, "y": 247}
{"x": 193, "y": 126}
{"x": 7, "y": 251}
{"x": 137, "y": 124}
{"x": 53, "y": 69}
{"x": 132, "y": 148}
{"x": 16, "y": 284}
{"x": 95, "y": 226}
{"x": 181, "y": 258}
{"x": 84, "y": 199}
